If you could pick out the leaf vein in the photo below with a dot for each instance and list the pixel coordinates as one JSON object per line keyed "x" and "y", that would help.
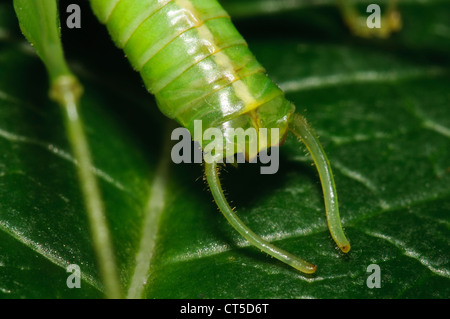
{"x": 153, "y": 211}
{"x": 45, "y": 252}
{"x": 409, "y": 252}
{"x": 368, "y": 76}
{"x": 12, "y": 137}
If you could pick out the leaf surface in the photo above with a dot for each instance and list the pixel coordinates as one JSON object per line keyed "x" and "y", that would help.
{"x": 381, "y": 108}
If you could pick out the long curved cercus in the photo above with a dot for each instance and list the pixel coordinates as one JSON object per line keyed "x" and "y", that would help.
{"x": 212, "y": 177}
{"x": 299, "y": 127}
{"x": 302, "y": 130}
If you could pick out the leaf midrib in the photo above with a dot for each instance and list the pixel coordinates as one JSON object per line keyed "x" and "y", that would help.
{"x": 150, "y": 227}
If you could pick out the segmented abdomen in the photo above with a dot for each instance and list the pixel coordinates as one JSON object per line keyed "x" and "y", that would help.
{"x": 192, "y": 58}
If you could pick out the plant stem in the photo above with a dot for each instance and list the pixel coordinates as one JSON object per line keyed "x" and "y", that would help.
{"x": 67, "y": 91}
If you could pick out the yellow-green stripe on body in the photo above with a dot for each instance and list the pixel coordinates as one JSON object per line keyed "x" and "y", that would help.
{"x": 193, "y": 59}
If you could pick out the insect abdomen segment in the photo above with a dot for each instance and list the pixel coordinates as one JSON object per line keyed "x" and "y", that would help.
{"x": 192, "y": 58}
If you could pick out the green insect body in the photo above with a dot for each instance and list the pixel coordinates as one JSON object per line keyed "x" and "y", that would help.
{"x": 198, "y": 66}
{"x": 192, "y": 58}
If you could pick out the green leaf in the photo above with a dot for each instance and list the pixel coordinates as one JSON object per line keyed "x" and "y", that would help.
{"x": 380, "y": 107}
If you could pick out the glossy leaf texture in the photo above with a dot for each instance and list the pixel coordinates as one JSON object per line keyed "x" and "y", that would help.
{"x": 380, "y": 107}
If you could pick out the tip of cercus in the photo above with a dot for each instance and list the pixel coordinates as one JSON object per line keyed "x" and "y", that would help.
{"x": 345, "y": 248}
